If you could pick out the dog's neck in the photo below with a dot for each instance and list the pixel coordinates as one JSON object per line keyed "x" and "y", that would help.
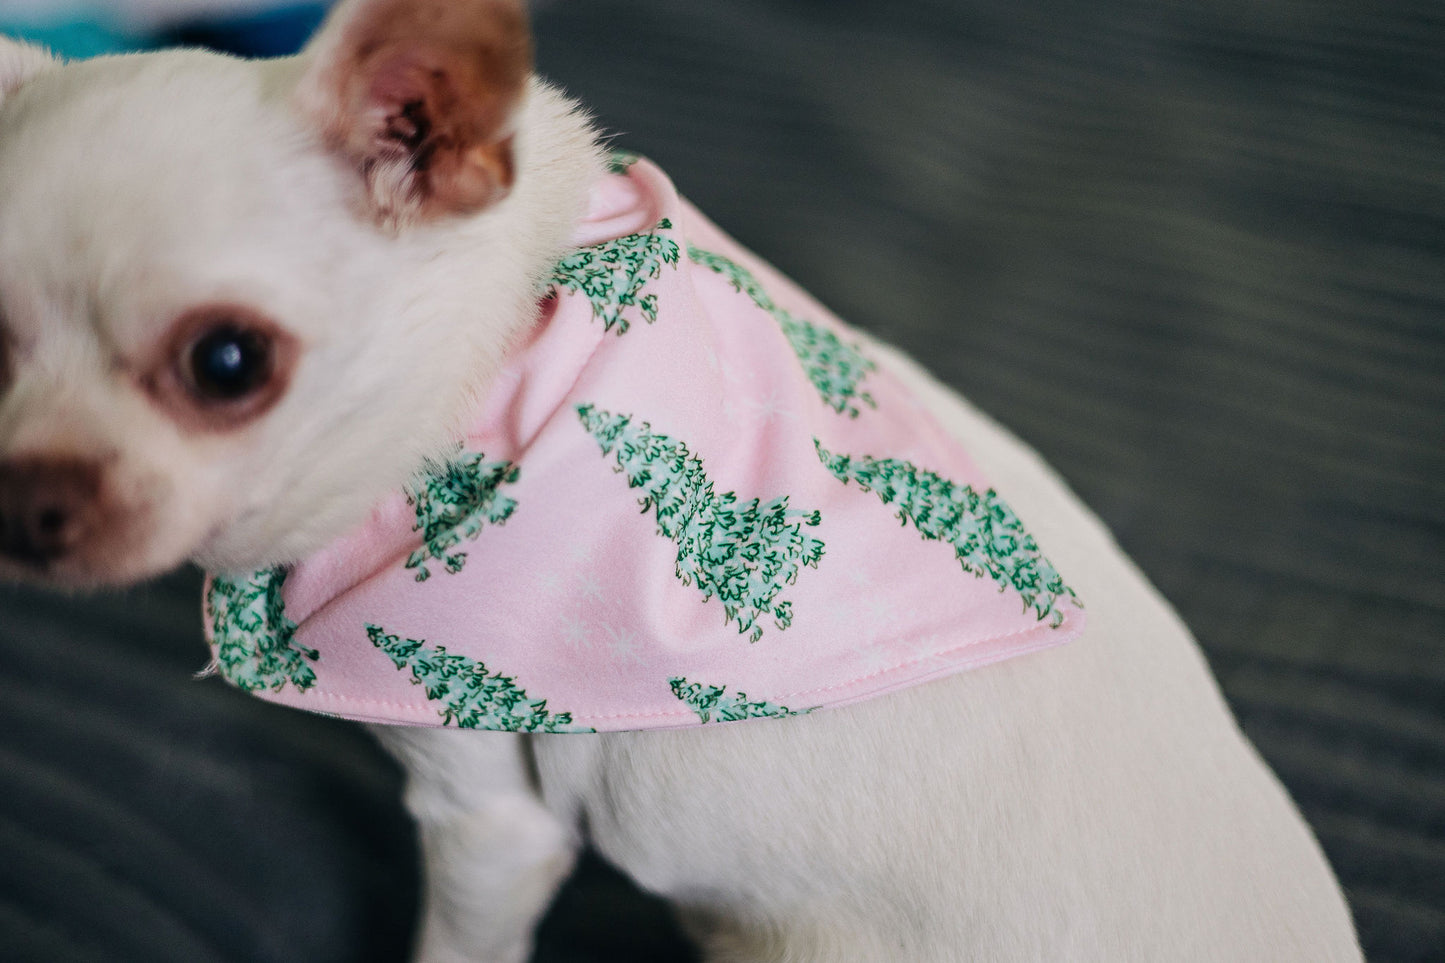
{"x": 471, "y": 289}
{"x": 495, "y": 263}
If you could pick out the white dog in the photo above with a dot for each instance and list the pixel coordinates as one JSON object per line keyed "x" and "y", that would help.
{"x": 243, "y": 303}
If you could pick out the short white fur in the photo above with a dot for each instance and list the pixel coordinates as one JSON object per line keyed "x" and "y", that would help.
{"x": 1095, "y": 802}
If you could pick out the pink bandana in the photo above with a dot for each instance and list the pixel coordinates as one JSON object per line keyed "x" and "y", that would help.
{"x": 690, "y": 498}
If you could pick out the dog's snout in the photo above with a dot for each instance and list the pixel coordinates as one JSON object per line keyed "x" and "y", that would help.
{"x": 48, "y": 507}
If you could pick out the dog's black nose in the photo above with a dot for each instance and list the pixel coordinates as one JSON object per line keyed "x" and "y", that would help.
{"x": 48, "y": 506}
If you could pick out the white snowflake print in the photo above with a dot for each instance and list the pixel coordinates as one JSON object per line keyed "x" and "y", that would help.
{"x": 623, "y": 645}
{"x": 878, "y": 615}
{"x": 554, "y": 583}
{"x": 875, "y": 658}
{"x": 576, "y": 633}
{"x": 587, "y": 588}
{"x": 767, "y": 410}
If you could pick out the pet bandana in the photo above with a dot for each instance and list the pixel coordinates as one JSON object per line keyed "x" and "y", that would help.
{"x": 690, "y": 497}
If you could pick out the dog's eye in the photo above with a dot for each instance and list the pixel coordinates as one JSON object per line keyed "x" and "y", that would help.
{"x": 220, "y": 367}
{"x": 229, "y": 362}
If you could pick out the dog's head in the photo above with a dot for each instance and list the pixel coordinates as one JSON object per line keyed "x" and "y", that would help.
{"x": 241, "y": 300}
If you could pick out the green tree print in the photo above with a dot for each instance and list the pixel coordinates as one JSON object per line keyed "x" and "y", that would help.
{"x": 255, "y": 644}
{"x": 453, "y": 504}
{"x": 711, "y": 705}
{"x": 612, "y": 274}
{"x": 987, "y": 537}
{"x": 619, "y": 161}
{"x": 744, "y": 552}
{"x": 467, "y": 694}
{"x": 836, "y": 369}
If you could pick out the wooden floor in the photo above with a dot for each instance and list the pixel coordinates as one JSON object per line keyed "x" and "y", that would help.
{"x": 1193, "y": 252}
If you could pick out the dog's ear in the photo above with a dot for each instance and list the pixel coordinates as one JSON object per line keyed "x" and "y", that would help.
{"x": 418, "y": 96}
{"x": 18, "y": 63}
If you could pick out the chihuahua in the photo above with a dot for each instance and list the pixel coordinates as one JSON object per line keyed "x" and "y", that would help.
{"x": 279, "y": 317}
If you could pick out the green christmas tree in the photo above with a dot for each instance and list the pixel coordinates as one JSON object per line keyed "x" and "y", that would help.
{"x": 255, "y": 644}
{"x": 711, "y": 705}
{"x": 836, "y": 369}
{"x": 453, "y": 504}
{"x": 987, "y": 537}
{"x": 744, "y": 552}
{"x": 619, "y": 161}
{"x": 468, "y": 695}
{"x": 612, "y": 274}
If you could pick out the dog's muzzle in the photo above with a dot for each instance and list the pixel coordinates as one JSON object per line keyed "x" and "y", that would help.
{"x": 49, "y": 507}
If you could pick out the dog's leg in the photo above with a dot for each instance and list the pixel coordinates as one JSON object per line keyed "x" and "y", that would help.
{"x": 492, "y": 855}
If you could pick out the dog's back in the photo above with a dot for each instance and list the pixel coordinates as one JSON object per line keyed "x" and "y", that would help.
{"x": 1092, "y": 802}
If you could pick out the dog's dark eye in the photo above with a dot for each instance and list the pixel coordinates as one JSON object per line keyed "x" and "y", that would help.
{"x": 229, "y": 363}
{"x": 221, "y": 366}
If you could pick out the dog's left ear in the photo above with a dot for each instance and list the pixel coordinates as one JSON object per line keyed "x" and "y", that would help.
{"x": 418, "y": 96}
{"x": 18, "y": 63}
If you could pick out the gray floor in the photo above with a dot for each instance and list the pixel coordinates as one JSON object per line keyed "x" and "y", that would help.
{"x": 1193, "y": 252}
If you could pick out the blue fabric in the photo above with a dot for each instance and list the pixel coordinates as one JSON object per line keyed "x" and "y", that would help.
{"x": 83, "y": 33}
{"x": 75, "y": 39}
{"x": 270, "y": 33}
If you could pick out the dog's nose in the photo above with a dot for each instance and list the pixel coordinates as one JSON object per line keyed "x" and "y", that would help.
{"x": 48, "y": 506}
